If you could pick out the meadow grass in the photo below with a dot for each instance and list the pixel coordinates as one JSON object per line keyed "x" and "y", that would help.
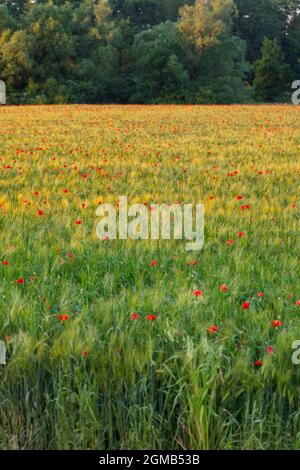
{"x": 80, "y": 373}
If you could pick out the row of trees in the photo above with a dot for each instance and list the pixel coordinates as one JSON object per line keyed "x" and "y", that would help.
{"x": 149, "y": 51}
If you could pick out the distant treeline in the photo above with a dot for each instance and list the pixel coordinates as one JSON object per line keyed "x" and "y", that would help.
{"x": 149, "y": 51}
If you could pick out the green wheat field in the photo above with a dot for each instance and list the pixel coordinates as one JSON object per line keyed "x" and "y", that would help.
{"x": 141, "y": 344}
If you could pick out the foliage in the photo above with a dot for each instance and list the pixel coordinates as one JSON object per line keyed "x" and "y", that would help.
{"x": 272, "y": 74}
{"x": 98, "y": 51}
{"x": 204, "y": 22}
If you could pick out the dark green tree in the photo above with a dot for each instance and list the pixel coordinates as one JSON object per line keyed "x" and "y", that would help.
{"x": 221, "y": 73}
{"x": 16, "y": 8}
{"x": 50, "y": 45}
{"x": 170, "y": 8}
{"x": 6, "y": 20}
{"x": 159, "y": 71}
{"x": 272, "y": 74}
{"x": 258, "y": 19}
{"x": 142, "y": 13}
{"x": 291, "y": 45}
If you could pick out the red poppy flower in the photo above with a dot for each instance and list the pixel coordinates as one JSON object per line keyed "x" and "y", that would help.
{"x": 212, "y": 330}
{"x": 241, "y": 234}
{"x": 198, "y": 293}
{"x": 85, "y": 353}
{"x": 78, "y": 222}
{"x": 297, "y": 303}
{"x": 239, "y": 197}
{"x": 135, "y": 316}
{"x": 277, "y": 324}
{"x": 5, "y": 263}
{"x": 40, "y": 213}
{"x": 193, "y": 263}
{"x": 151, "y": 317}
{"x": 63, "y": 317}
{"x": 154, "y": 263}
{"x": 260, "y": 295}
{"x": 223, "y": 288}
{"x": 246, "y": 305}
{"x": 258, "y": 363}
{"x": 270, "y": 349}
{"x": 21, "y": 281}
{"x": 230, "y": 242}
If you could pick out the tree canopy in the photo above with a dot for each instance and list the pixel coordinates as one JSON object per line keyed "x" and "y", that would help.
{"x": 149, "y": 51}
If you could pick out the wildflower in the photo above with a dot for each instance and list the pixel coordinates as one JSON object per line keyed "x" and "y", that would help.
{"x": 151, "y": 317}
{"x": 198, "y": 293}
{"x": 297, "y": 303}
{"x": 260, "y": 295}
{"x": 223, "y": 288}
{"x": 246, "y": 305}
{"x": 5, "y": 262}
{"x": 84, "y": 353}
{"x": 40, "y": 213}
{"x": 154, "y": 263}
{"x": 239, "y": 197}
{"x": 63, "y": 317}
{"x": 258, "y": 363}
{"x": 21, "y": 281}
{"x": 270, "y": 349}
{"x": 241, "y": 234}
{"x": 78, "y": 222}
{"x": 277, "y": 324}
{"x": 193, "y": 263}
{"x": 212, "y": 330}
{"x": 230, "y": 242}
{"x": 135, "y": 316}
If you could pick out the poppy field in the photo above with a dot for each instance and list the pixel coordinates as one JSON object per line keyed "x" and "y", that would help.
{"x": 115, "y": 344}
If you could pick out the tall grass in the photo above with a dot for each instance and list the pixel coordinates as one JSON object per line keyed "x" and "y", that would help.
{"x": 100, "y": 380}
